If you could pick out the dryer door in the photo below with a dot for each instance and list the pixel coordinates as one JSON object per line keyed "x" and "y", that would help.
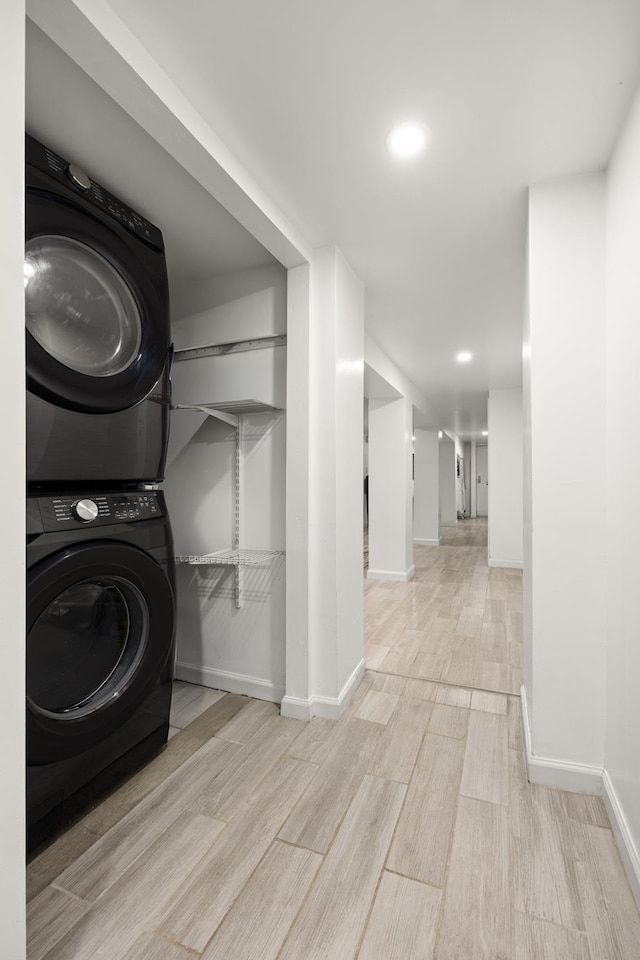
{"x": 100, "y": 625}
{"x": 96, "y": 318}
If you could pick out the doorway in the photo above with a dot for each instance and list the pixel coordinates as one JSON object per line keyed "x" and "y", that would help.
{"x": 482, "y": 480}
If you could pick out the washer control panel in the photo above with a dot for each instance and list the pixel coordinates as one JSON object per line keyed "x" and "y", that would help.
{"x": 67, "y": 511}
{"x": 53, "y": 164}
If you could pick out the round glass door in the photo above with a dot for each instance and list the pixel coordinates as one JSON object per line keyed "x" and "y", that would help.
{"x": 85, "y": 646}
{"x": 79, "y": 308}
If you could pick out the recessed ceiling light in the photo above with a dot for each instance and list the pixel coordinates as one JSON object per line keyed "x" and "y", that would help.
{"x": 485, "y": 433}
{"x": 463, "y": 357}
{"x": 406, "y": 139}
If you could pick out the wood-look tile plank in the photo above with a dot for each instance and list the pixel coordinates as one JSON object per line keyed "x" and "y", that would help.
{"x": 495, "y": 611}
{"x": 151, "y": 946}
{"x": 314, "y": 820}
{"x": 333, "y": 917}
{"x": 540, "y": 940}
{"x": 516, "y": 738}
{"x": 389, "y": 683}
{"x": 192, "y": 916}
{"x": 543, "y": 871}
{"x": 50, "y": 916}
{"x": 122, "y": 914}
{"x": 587, "y": 808}
{"x": 488, "y": 702}
{"x": 449, "y": 721}
{"x": 496, "y": 676}
{"x": 470, "y": 622}
{"x": 376, "y": 654}
{"x": 115, "y": 806}
{"x": 183, "y": 693}
{"x": 249, "y": 721}
{"x": 427, "y": 665}
{"x": 477, "y": 918}
{"x": 377, "y": 707}
{"x": 256, "y": 925}
{"x": 316, "y": 740}
{"x": 393, "y": 755}
{"x": 452, "y": 696}
{"x": 186, "y": 714}
{"x": 225, "y": 795}
{"x": 610, "y": 913}
{"x": 403, "y": 922}
{"x": 110, "y": 856}
{"x": 421, "y": 843}
{"x": 486, "y": 764}
{"x": 402, "y": 653}
{"x": 460, "y": 670}
{"x": 50, "y": 862}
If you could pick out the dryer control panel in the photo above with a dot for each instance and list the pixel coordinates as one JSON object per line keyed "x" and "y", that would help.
{"x": 69, "y": 511}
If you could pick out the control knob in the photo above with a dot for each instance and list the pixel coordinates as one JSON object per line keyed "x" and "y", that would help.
{"x": 85, "y": 510}
{"x": 78, "y": 177}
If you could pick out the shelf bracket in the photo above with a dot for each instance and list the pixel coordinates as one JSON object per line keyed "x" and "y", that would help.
{"x": 229, "y": 418}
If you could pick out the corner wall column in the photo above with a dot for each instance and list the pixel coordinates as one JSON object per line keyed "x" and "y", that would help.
{"x": 325, "y": 386}
{"x": 390, "y": 490}
{"x": 426, "y": 506}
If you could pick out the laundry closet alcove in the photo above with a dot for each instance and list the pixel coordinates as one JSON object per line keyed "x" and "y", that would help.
{"x": 225, "y": 483}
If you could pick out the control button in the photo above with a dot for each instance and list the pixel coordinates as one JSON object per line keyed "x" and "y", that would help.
{"x": 85, "y": 510}
{"x": 78, "y": 177}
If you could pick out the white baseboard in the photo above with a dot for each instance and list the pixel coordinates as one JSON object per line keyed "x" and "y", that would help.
{"x": 428, "y": 543}
{"x": 628, "y": 850}
{"x": 560, "y": 774}
{"x": 509, "y": 564}
{"x": 231, "y": 682}
{"x": 448, "y": 523}
{"x": 402, "y": 575}
{"x": 331, "y": 708}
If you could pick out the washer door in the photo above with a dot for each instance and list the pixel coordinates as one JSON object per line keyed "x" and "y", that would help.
{"x": 97, "y": 330}
{"x": 100, "y": 624}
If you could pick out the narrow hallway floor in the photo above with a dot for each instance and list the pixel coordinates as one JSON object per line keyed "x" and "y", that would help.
{"x": 406, "y": 830}
{"x": 457, "y": 620}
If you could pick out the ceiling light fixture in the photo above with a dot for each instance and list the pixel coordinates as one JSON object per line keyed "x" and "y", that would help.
{"x": 439, "y": 434}
{"x": 406, "y": 139}
{"x": 464, "y": 357}
{"x": 485, "y": 433}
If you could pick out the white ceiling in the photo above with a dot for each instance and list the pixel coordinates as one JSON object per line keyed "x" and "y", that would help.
{"x": 513, "y": 91}
{"x": 66, "y": 110}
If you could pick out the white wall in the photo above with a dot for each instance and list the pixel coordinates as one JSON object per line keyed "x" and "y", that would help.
{"x": 504, "y": 411}
{"x": 622, "y": 755}
{"x": 448, "y": 483}
{"x": 218, "y": 645}
{"x": 473, "y": 483}
{"x": 12, "y": 746}
{"x": 426, "y": 492}
{"x": 567, "y": 403}
{"x": 390, "y": 490}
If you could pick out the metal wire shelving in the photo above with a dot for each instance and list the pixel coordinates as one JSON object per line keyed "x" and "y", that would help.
{"x": 237, "y": 557}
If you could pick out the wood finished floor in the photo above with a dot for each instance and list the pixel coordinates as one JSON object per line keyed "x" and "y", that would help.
{"x": 457, "y": 620}
{"x": 405, "y": 831}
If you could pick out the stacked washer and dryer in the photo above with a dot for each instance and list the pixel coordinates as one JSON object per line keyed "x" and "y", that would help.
{"x": 100, "y": 577}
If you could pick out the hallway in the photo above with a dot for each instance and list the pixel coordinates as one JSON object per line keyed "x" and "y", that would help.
{"x": 458, "y": 620}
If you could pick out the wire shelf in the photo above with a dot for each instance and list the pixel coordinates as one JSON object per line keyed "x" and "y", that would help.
{"x": 231, "y": 558}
